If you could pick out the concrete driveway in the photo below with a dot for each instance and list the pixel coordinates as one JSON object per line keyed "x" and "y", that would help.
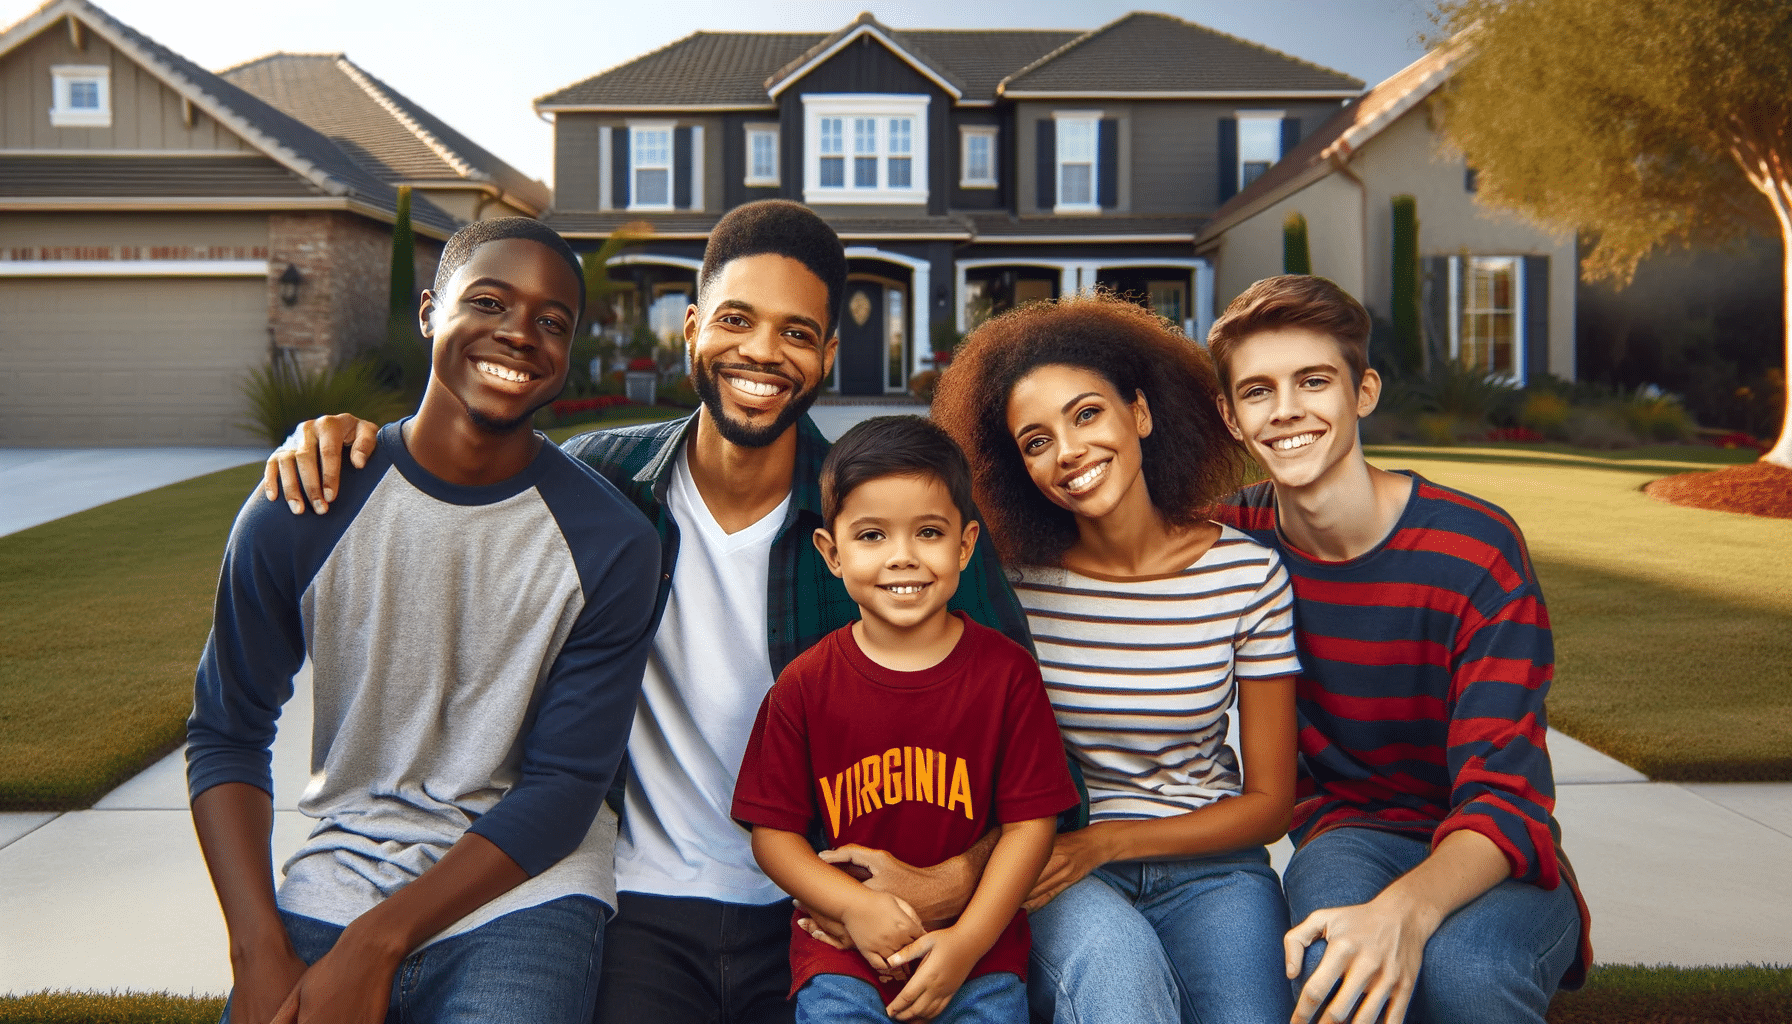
{"x": 41, "y": 484}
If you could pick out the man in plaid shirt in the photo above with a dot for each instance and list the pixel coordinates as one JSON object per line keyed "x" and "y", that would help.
{"x": 701, "y": 934}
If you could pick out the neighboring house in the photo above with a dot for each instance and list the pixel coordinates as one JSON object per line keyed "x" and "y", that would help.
{"x": 1496, "y": 293}
{"x": 967, "y": 171}
{"x": 164, "y": 230}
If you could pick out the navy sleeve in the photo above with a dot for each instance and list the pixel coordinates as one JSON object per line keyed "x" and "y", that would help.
{"x": 587, "y": 705}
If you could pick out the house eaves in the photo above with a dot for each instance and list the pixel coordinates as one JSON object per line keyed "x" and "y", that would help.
{"x": 863, "y": 25}
{"x": 1205, "y": 94}
{"x": 649, "y": 108}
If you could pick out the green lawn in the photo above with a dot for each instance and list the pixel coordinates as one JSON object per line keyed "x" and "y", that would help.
{"x": 624, "y": 416}
{"x": 1671, "y": 624}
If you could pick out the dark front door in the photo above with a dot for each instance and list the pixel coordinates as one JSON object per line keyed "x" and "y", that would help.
{"x": 862, "y": 333}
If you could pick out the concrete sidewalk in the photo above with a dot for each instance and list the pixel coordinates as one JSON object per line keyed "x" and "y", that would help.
{"x": 41, "y": 484}
{"x": 118, "y": 897}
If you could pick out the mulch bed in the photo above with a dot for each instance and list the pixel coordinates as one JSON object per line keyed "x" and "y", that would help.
{"x": 1757, "y": 489}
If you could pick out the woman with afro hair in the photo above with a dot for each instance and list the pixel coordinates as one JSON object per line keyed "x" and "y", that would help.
{"x": 1097, "y": 451}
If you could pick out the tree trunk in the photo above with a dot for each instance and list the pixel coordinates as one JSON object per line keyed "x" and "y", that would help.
{"x": 1781, "y": 452}
{"x": 1760, "y": 146}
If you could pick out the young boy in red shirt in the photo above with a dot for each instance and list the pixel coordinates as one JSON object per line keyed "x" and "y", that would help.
{"x": 912, "y": 730}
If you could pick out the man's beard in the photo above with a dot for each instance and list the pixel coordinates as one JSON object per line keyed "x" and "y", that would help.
{"x": 707, "y": 381}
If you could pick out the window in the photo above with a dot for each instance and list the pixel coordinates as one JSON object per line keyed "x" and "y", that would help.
{"x": 762, "y": 155}
{"x": 1487, "y": 333}
{"x": 650, "y": 167}
{"x": 1259, "y": 143}
{"x": 80, "y": 96}
{"x": 1077, "y": 184}
{"x": 865, "y": 148}
{"x": 977, "y": 149}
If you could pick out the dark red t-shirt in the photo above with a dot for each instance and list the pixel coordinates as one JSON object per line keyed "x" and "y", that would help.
{"x": 920, "y": 764}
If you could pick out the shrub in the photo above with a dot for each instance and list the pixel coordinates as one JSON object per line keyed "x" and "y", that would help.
{"x": 1295, "y": 257}
{"x": 1544, "y": 412}
{"x": 677, "y": 389}
{"x": 1598, "y": 427}
{"x": 1408, "y": 344}
{"x": 1470, "y": 395}
{"x": 1657, "y": 416}
{"x": 1438, "y": 427}
{"x": 921, "y": 385}
{"x": 281, "y": 396}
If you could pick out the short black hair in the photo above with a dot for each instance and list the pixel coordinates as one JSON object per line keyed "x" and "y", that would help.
{"x": 461, "y": 244}
{"x": 783, "y": 228}
{"x": 894, "y": 446}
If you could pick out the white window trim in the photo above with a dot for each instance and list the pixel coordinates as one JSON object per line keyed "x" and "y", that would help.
{"x": 1256, "y": 115}
{"x": 1094, "y": 119}
{"x": 1517, "y": 376}
{"x": 881, "y": 106}
{"x": 634, "y": 152}
{"x": 775, "y": 178}
{"x": 64, "y": 116}
{"x": 965, "y": 134}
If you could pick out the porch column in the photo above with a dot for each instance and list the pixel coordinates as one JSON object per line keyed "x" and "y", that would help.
{"x": 958, "y": 296}
{"x": 1069, "y": 279}
{"x": 1204, "y": 312}
{"x": 921, "y": 297}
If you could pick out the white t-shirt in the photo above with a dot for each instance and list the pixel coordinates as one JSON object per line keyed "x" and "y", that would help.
{"x": 707, "y": 675}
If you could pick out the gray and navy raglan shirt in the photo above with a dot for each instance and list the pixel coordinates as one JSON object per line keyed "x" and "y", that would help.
{"x": 476, "y": 658}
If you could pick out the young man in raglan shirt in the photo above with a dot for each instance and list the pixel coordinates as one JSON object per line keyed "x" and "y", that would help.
{"x": 702, "y": 935}
{"x": 1428, "y": 877}
{"x": 478, "y": 613}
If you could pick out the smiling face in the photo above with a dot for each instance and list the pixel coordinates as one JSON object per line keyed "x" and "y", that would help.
{"x": 500, "y": 329}
{"x": 1079, "y": 440}
{"x": 1292, "y": 404}
{"x": 898, "y": 544}
{"x": 759, "y": 346}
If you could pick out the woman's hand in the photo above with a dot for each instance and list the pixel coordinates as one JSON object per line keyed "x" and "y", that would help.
{"x": 1074, "y": 854}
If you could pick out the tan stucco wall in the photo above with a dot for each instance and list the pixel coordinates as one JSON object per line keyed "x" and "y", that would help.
{"x": 146, "y": 115}
{"x": 247, "y": 230}
{"x": 1252, "y": 250}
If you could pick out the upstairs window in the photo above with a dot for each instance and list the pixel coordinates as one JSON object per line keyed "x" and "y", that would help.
{"x": 762, "y": 154}
{"x": 865, "y": 148}
{"x": 80, "y": 96}
{"x": 977, "y": 169}
{"x": 650, "y": 167}
{"x": 1259, "y": 143}
{"x": 1078, "y": 186}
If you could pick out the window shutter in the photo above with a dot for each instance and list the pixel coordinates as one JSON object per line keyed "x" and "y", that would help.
{"x": 1536, "y": 317}
{"x": 1290, "y": 135}
{"x": 1228, "y": 158}
{"x": 1048, "y": 163}
{"x": 681, "y": 167}
{"x": 1434, "y": 302}
{"x": 620, "y": 185}
{"x": 1107, "y": 157}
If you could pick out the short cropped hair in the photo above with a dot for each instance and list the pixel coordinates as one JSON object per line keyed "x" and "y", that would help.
{"x": 1292, "y": 300}
{"x": 461, "y": 244}
{"x": 782, "y": 228}
{"x": 894, "y": 446}
{"x": 1190, "y": 458}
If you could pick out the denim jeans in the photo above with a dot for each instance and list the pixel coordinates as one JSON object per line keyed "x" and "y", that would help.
{"x": 1197, "y": 941}
{"x": 539, "y": 964}
{"x": 994, "y": 998}
{"x": 1496, "y": 960}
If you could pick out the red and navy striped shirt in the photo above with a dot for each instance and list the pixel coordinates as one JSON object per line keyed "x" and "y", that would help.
{"x": 1425, "y": 664}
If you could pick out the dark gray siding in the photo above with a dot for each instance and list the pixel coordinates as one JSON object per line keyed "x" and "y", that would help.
{"x": 1175, "y": 148}
{"x": 981, "y": 198}
{"x": 577, "y": 176}
{"x": 732, "y": 138}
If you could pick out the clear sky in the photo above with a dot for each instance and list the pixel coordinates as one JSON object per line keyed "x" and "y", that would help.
{"x": 478, "y": 65}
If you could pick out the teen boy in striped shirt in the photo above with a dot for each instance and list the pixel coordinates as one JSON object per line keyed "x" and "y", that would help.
{"x": 1428, "y": 874}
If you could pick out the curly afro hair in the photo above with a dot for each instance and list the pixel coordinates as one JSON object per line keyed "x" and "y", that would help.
{"x": 1190, "y": 458}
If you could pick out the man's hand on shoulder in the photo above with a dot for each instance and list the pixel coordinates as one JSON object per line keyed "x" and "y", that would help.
{"x": 307, "y": 467}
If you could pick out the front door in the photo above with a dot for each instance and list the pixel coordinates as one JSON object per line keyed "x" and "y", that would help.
{"x": 862, "y": 332}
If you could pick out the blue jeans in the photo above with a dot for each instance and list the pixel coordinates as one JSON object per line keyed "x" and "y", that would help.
{"x": 1498, "y": 959}
{"x": 995, "y": 998}
{"x": 1197, "y": 941}
{"x": 538, "y": 965}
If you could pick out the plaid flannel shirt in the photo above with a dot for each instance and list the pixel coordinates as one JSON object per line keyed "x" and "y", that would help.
{"x": 804, "y": 601}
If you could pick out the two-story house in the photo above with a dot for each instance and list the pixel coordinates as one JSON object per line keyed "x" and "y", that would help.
{"x": 164, "y": 230}
{"x": 966, "y": 171}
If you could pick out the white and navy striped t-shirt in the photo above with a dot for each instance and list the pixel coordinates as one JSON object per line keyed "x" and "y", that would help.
{"x": 1141, "y": 671}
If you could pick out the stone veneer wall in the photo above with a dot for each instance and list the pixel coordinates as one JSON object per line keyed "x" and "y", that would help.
{"x": 345, "y": 261}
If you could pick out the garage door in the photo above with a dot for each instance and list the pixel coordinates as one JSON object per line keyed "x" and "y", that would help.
{"x": 128, "y": 361}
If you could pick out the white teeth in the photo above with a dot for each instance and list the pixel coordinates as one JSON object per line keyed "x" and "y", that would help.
{"x": 1087, "y": 476}
{"x": 503, "y": 372}
{"x": 1285, "y": 444}
{"x": 906, "y": 588}
{"x": 753, "y": 387}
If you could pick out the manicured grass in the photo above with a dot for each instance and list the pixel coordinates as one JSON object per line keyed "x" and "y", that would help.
{"x": 1672, "y": 650}
{"x": 102, "y": 618}
{"x": 621, "y": 416}
{"x": 1613, "y": 995}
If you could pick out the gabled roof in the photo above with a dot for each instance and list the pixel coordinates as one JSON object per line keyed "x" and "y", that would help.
{"x": 283, "y": 138}
{"x": 1140, "y": 54}
{"x": 1333, "y": 143}
{"x": 386, "y": 133}
{"x": 1146, "y": 53}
